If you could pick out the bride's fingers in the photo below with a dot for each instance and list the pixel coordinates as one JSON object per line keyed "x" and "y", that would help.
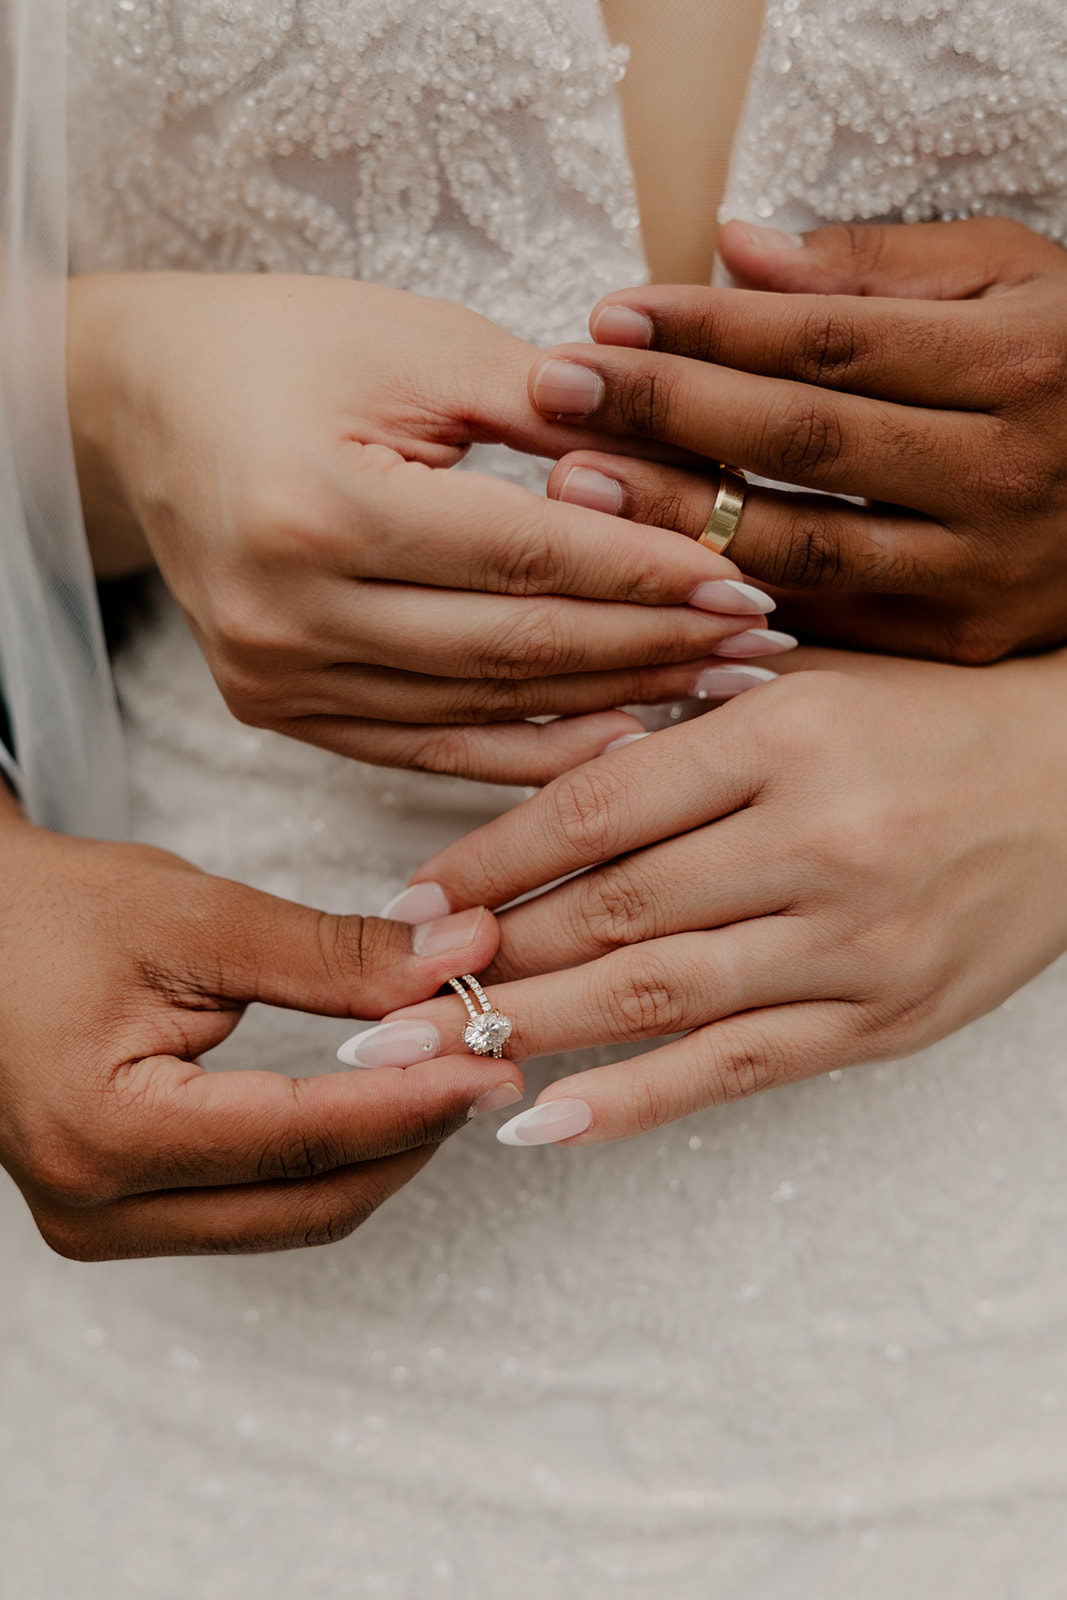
{"x": 678, "y": 779}
{"x": 462, "y": 531}
{"x": 408, "y": 697}
{"x": 453, "y": 635}
{"x": 644, "y": 991}
{"x": 729, "y": 1060}
{"x": 706, "y": 879}
{"x": 500, "y": 752}
{"x": 242, "y": 1220}
{"x": 792, "y": 541}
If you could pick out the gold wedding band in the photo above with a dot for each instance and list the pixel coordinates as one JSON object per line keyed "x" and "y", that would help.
{"x": 726, "y": 512}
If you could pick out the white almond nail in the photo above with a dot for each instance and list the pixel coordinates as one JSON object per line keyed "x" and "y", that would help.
{"x": 617, "y": 744}
{"x": 423, "y": 902}
{"x": 730, "y": 597}
{"x": 756, "y": 642}
{"x": 547, "y": 1124}
{"x": 392, "y": 1044}
{"x": 722, "y": 683}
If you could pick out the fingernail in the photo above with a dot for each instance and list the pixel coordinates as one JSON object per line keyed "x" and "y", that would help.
{"x": 547, "y": 1124}
{"x": 721, "y": 683}
{"x": 729, "y": 596}
{"x": 620, "y": 325}
{"x": 446, "y": 935}
{"x": 498, "y": 1099}
{"x": 756, "y": 642}
{"x": 617, "y": 744}
{"x": 391, "y": 1044}
{"x": 773, "y": 238}
{"x": 421, "y": 903}
{"x": 584, "y": 487}
{"x": 564, "y": 389}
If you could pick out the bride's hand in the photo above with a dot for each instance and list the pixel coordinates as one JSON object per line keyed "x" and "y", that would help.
{"x": 842, "y": 866}
{"x": 923, "y": 368}
{"x": 121, "y": 966}
{"x": 279, "y": 443}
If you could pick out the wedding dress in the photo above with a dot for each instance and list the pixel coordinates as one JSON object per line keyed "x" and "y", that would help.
{"x": 811, "y": 1345}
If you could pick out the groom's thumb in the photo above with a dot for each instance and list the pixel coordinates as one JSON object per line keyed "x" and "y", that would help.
{"x": 253, "y": 946}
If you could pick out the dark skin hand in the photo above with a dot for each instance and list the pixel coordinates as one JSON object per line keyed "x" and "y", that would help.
{"x": 922, "y": 369}
{"x": 121, "y": 966}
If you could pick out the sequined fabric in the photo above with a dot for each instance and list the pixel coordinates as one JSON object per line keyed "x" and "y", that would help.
{"x": 810, "y": 1346}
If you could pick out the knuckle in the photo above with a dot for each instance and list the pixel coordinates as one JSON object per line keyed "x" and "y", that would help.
{"x": 830, "y": 346}
{"x": 495, "y": 700}
{"x": 583, "y": 808}
{"x": 809, "y": 555}
{"x": 644, "y": 400}
{"x": 807, "y": 440}
{"x": 528, "y": 559}
{"x": 532, "y": 645}
{"x": 649, "y": 1105}
{"x": 613, "y": 909}
{"x": 645, "y": 1003}
{"x": 73, "y": 1237}
{"x": 743, "y": 1062}
{"x": 331, "y": 1223}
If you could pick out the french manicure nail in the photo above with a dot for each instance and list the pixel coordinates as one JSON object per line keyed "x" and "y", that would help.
{"x": 722, "y": 683}
{"x": 774, "y": 238}
{"x": 448, "y": 935}
{"x": 498, "y": 1099}
{"x": 617, "y": 744}
{"x": 732, "y": 598}
{"x": 621, "y": 325}
{"x": 421, "y": 903}
{"x": 547, "y": 1124}
{"x": 756, "y": 642}
{"x": 391, "y": 1044}
{"x": 565, "y": 389}
{"x": 584, "y": 487}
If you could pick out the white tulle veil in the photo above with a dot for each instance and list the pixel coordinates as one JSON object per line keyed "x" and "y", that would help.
{"x": 53, "y": 666}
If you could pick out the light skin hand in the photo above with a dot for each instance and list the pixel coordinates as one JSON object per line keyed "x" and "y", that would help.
{"x": 921, "y": 368}
{"x": 279, "y": 446}
{"x": 121, "y": 966}
{"x": 843, "y": 866}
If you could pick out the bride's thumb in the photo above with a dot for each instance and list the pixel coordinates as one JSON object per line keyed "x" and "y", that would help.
{"x": 283, "y": 954}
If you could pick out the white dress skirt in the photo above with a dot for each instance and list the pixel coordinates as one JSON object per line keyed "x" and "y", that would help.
{"x": 810, "y": 1345}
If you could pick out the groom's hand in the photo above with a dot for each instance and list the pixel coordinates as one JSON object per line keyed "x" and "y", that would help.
{"x": 922, "y": 369}
{"x": 119, "y": 966}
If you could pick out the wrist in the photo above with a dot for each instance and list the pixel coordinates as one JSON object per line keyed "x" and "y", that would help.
{"x": 98, "y": 397}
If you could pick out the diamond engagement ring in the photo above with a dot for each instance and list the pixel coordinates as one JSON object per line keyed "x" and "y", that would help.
{"x": 488, "y": 1030}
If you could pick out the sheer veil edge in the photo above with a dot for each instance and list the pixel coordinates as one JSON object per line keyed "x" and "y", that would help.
{"x": 54, "y": 670}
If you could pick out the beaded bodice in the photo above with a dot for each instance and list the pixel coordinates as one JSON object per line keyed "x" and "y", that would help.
{"x": 906, "y": 110}
{"x": 461, "y": 148}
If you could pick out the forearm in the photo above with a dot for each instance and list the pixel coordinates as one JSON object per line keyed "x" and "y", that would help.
{"x": 94, "y": 342}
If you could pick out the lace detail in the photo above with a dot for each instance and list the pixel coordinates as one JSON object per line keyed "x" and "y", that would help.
{"x": 459, "y": 148}
{"x": 907, "y": 111}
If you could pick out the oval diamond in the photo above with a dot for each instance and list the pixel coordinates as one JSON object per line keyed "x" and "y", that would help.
{"x": 487, "y": 1033}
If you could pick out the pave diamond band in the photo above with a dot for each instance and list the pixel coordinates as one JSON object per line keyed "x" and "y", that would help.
{"x": 488, "y": 1030}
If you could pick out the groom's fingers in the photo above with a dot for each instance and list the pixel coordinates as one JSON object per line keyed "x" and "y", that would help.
{"x": 172, "y": 1125}
{"x": 790, "y": 541}
{"x": 929, "y": 260}
{"x": 923, "y": 352}
{"x": 233, "y": 1221}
